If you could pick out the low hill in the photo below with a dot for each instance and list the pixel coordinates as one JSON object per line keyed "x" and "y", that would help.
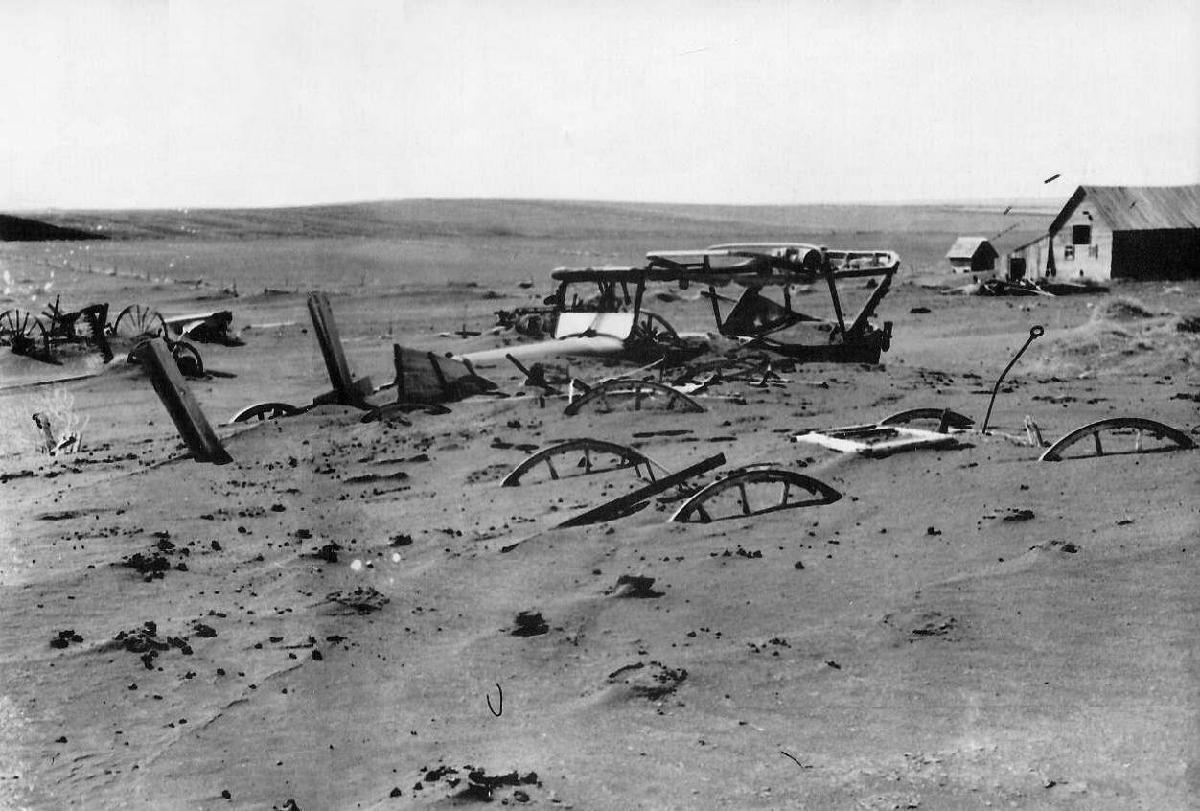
{"x": 549, "y": 219}
{"x": 19, "y": 229}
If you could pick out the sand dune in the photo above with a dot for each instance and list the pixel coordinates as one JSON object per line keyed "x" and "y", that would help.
{"x": 325, "y": 619}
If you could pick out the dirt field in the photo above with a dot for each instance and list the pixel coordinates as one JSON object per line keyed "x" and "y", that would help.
{"x": 325, "y": 619}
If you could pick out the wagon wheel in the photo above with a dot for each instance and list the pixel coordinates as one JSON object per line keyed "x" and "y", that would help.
{"x": 21, "y": 330}
{"x": 602, "y": 461}
{"x": 187, "y": 358}
{"x": 137, "y": 320}
{"x": 608, "y": 395}
{"x": 775, "y": 489}
{"x": 953, "y": 418}
{"x": 265, "y": 411}
{"x": 1139, "y": 427}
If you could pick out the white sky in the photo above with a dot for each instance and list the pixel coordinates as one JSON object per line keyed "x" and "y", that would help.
{"x": 141, "y": 103}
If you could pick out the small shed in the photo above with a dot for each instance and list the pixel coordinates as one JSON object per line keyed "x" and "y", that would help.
{"x": 1030, "y": 259}
{"x": 972, "y": 255}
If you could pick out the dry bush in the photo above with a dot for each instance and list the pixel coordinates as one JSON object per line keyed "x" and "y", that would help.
{"x": 20, "y": 434}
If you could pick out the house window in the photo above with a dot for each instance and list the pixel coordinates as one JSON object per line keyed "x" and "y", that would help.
{"x": 1068, "y": 251}
{"x": 1094, "y": 251}
{"x": 1081, "y": 234}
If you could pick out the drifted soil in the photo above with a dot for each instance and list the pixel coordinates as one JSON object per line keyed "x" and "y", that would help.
{"x": 325, "y": 619}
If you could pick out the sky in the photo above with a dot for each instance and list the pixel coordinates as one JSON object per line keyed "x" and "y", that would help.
{"x": 192, "y": 103}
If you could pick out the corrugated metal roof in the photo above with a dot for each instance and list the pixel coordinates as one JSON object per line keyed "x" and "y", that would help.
{"x": 1137, "y": 208}
{"x": 965, "y": 247}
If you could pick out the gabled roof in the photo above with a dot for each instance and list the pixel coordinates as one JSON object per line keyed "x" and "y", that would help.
{"x": 966, "y": 247}
{"x": 1137, "y": 208}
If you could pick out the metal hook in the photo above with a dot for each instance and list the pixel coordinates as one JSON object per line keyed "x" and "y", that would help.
{"x": 1035, "y": 332}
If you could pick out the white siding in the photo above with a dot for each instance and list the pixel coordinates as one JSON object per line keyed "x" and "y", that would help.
{"x": 1086, "y": 261}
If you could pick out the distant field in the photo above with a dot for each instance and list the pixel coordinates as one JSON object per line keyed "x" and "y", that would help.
{"x": 418, "y": 242}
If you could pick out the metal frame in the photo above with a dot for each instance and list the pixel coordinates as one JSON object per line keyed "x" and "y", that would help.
{"x": 876, "y": 440}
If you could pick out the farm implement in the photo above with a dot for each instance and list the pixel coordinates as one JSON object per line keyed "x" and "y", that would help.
{"x": 611, "y": 319}
{"x": 57, "y": 333}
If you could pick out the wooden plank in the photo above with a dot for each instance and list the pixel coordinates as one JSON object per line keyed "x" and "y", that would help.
{"x": 185, "y": 412}
{"x": 331, "y": 348}
{"x": 618, "y": 506}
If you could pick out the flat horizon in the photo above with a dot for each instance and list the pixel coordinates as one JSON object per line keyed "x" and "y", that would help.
{"x": 1037, "y": 202}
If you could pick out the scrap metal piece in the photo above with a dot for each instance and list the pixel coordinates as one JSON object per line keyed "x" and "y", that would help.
{"x": 1034, "y": 333}
{"x": 1137, "y": 425}
{"x": 627, "y": 458}
{"x": 397, "y": 413}
{"x": 876, "y": 440}
{"x": 185, "y": 412}
{"x": 535, "y": 375}
{"x": 187, "y": 358}
{"x": 95, "y": 317}
{"x": 266, "y": 411}
{"x": 607, "y": 395}
{"x": 206, "y": 327}
{"x": 782, "y": 489}
{"x": 624, "y": 505}
{"x": 1033, "y": 433}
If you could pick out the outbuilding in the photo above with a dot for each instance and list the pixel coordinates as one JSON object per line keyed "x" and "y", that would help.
{"x": 972, "y": 255}
{"x": 1119, "y": 232}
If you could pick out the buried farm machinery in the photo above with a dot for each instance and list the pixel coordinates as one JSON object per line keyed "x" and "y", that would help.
{"x": 56, "y": 333}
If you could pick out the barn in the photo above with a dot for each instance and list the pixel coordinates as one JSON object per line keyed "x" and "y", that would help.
{"x": 1119, "y": 232}
{"x": 972, "y": 255}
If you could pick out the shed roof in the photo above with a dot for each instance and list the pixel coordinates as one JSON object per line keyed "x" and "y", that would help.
{"x": 1137, "y": 208}
{"x": 967, "y": 247}
{"x": 1028, "y": 242}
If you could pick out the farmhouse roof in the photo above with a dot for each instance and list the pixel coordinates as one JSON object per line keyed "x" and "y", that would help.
{"x": 1137, "y": 208}
{"x": 1028, "y": 242}
{"x": 966, "y": 247}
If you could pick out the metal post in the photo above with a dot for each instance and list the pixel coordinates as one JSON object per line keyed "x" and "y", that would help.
{"x": 1034, "y": 333}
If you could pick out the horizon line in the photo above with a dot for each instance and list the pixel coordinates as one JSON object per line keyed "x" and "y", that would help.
{"x": 943, "y": 201}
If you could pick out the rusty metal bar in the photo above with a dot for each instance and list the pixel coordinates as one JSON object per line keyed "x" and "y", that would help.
{"x": 620, "y": 506}
{"x": 1034, "y": 333}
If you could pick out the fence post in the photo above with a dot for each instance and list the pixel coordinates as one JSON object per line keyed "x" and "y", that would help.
{"x": 185, "y": 412}
{"x": 346, "y": 392}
